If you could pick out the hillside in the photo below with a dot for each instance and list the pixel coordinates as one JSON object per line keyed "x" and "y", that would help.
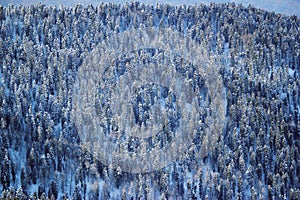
{"x": 149, "y": 102}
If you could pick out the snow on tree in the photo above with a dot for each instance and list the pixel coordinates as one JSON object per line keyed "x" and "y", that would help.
{"x": 255, "y": 155}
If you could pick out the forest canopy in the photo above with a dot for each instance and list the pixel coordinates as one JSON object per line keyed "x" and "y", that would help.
{"x": 256, "y": 155}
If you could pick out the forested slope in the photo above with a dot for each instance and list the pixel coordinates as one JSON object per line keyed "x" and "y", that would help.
{"x": 256, "y": 156}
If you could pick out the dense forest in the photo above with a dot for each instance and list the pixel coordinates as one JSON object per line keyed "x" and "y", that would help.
{"x": 255, "y": 155}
